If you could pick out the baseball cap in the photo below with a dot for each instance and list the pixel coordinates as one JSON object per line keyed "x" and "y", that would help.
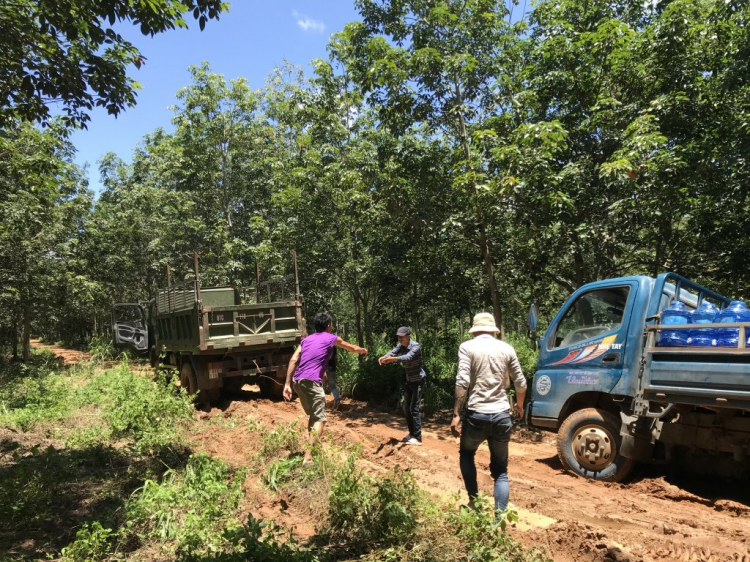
{"x": 403, "y": 331}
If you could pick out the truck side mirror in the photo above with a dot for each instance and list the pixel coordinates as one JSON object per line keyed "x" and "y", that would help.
{"x": 532, "y": 322}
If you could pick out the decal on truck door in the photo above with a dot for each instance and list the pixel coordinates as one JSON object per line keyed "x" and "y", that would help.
{"x": 590, "y": 352}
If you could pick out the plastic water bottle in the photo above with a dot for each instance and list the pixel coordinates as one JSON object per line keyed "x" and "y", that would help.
{"x": 705, "y": 337}
{"x": 672, "y": 316}
{"x": 736, "y": 312}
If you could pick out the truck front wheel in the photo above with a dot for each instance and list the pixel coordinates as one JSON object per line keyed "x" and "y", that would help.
{"x": 588, "y": 444}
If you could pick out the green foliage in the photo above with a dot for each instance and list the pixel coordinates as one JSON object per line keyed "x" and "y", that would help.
{"x": 363, "y": 512}
{"x": 68, "y": 53}
{"x": 260, "y": 541}
{"x": 188, "y": 510}
{"x": 527, "y": 354}
{"x": 34, "y": 392}
{"x": 149, "y": 413}
{"x": 93, "y": 543}
{"x": 281, "y": 471}
{"x": 283, "y": 438}
{"x": 102, "y": 348}
{"x": 478, "y": 529}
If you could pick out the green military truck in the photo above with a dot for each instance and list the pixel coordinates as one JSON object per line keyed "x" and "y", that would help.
{"x": 217, "y": 337}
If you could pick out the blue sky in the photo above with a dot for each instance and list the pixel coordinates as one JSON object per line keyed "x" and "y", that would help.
{"x": 249, "y": 41}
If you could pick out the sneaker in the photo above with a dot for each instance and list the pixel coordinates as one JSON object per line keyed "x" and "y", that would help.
{"x": 406, "y": 438}
{"x": 413, "y": 441}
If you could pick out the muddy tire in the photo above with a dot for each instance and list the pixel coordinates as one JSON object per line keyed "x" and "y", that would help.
{"x": 189, "y": 381}
{"x": 153, "y": 357}
{"x": 588, "y": 444}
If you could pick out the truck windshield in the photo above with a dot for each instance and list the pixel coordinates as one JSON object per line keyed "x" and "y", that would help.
{"x": 592, "y": 314}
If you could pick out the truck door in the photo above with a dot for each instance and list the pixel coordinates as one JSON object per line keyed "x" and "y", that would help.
{"x": 129, "y": 327}
{"x": 584, "y": 348}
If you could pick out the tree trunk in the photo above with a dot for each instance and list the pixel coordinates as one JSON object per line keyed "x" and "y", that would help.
{"x": 483, "y": 243}
{"x": 358, "y": 313}
{"x": 368, "y": 323}
{"x": 497, "y": 310}
{"x": 15, "y": 337}
{"x": 26, "y": 332}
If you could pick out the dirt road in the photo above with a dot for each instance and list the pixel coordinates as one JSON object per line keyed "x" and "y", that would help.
{"x": 648, "y": 519}
{"x": 67, "y": 356}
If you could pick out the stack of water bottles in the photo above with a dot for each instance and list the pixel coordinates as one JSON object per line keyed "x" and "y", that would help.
{"x": 706, "y": 313}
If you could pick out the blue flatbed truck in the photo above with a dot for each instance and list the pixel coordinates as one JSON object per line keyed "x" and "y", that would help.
{"x": 615, "y": 397}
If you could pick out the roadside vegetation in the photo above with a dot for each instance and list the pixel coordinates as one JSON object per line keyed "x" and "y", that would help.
{"x": 97, "y": 464}
{"x": 383, "y": 385}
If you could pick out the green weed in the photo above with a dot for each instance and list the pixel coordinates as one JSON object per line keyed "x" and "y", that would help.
{"x": 135, "y": 407}
{"x": 259, "y": 541}
{"x": 363, "y": 512}
{"x": 102, "y": 348}
{"x": 93, "y": 543}
{"x": 283, "y": 438}
{"x": 34, "y": 392}
{"x": 189, "y": 509}
{"x": 280, "y": 472}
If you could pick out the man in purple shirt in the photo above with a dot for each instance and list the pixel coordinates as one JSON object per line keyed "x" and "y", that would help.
{"x": 307, "y": 365}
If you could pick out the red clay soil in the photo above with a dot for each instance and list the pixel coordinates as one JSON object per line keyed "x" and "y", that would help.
{"x": 572, "y": 519}
{"x": 651, "y": 518}
{"x": 68, "y": 356}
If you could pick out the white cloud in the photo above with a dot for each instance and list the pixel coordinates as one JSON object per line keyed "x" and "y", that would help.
{"x": 309, "y": 24}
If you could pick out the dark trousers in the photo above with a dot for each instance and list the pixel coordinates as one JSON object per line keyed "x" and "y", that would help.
{"x": 412, "y": 400}
{"x": 495, "y": 429}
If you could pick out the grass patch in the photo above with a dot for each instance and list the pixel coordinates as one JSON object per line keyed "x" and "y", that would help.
{"x": 284, "y": 438}
{"x": 150, "y": 414}
{"x": 188, "y": 511}
{"x": 35, "y": 392}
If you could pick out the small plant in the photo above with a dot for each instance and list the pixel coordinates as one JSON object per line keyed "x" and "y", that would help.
{"x": 281, "y": 471}
{"x": 189, "y": 509}
{"x": 93, "y": 543}
{"x": 259, "y": 541}
{"x": 136, "y": 407}
{"x": 282, "y": 438}
{"x": 34, "y": 393}
{"x": 102, "y": 348}
{"x": 362, "y": 511}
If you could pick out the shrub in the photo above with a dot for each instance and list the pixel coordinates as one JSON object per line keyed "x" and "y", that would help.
{"x": 362, "y": 512}
{"x": 34, "y": 392}
{"x": 282, "y": 438}
{"x": 102, "y": 348}
{"x": 138, "y": 408}
{"x": 190, "y": 508}
{"x": 93, "y": 543}
{"x": 259, "y": 541}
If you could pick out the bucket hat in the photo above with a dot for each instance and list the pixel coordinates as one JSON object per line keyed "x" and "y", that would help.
{"x": 484, "y": 322}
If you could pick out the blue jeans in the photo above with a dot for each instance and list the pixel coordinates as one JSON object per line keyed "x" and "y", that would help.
{"x": 332, "y": 385}
{"x": 495, "y": 429}
{"x": 412, "y": 400}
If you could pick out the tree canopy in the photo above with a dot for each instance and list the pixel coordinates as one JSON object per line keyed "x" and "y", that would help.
{"x": 449, "y": 157}
{"x": 68, "y": 52}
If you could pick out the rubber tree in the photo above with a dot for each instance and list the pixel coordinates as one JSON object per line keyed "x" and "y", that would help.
{"x": 440, "y": 63}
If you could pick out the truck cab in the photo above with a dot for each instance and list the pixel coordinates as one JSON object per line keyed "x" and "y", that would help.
{"x": 598, "y": 382}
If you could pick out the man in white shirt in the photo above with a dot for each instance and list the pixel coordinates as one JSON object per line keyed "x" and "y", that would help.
{"x": 485, "y": 367}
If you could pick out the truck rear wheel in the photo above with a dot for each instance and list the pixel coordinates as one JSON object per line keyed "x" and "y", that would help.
{"x": 588, "y": 444}
{"x": 189, "y": 381}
